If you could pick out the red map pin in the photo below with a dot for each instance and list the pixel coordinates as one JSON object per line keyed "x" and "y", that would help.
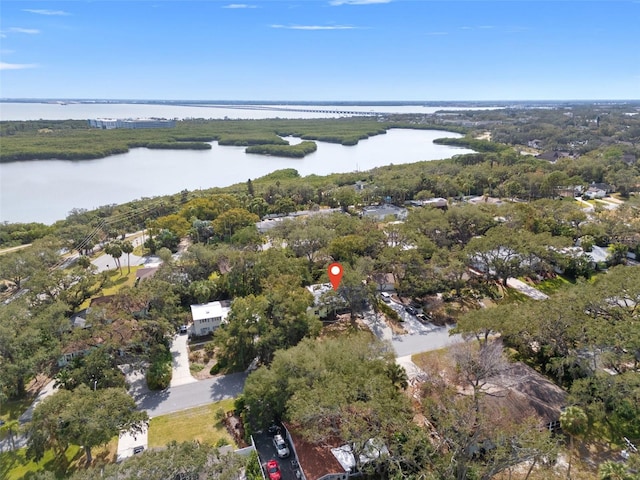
{"x": 335, "y": 274}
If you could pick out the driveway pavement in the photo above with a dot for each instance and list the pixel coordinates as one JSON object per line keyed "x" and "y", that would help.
{"x": 419, "y": 337}
{"x": 528, "y": 290}
{"x": 180, "y": 353}
{"x": 127, "y": 442}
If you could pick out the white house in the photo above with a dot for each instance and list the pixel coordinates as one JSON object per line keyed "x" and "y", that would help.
{"x": 207, "y": 317}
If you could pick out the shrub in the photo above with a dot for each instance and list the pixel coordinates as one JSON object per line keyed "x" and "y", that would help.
{"x": 219, "y": 415}
{"x": 389, "y": 312}
{"x": 159, "y": 373}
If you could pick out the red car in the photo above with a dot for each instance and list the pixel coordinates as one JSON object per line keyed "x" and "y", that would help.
{"x": 273, "y": 470}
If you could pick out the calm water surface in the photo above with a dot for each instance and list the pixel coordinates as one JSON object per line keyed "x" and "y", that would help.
{"x": 45, "y": 191}
{"x": 83, "y": 111}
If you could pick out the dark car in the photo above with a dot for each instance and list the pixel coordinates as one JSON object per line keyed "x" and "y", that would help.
{"x": 182, "y": 329}
{"x": 138, "y": 449}
{"x": 411, "y": 310}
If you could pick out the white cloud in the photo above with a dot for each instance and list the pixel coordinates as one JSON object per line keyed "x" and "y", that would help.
{"x": 357, "y": 2}
{"x": 16, "y": 66}
{"x": 486, "y": 27}
{"x": 437, "y": 33}
{"x": 4, "y": 51}
{"x": 45, "y": 12}
{"x": 315, "y": 27}
{"x": 29, "y": 31}
{"x": 239, "y": 5}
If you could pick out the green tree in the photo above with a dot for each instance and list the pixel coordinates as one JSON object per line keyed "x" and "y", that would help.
{"x": 185, "y": 461}
{"x": 610, "y": 470}
{"x": 97, "y": 369}
{"x": 115, "y": 250}
{"x": 127, "y": 247}
{"x": 237, "y": 338}
{"x": 574, "y": 423}
{"x": 82, "y": 417}
{"x": 226, "y": 224}
{"x": 17, "y": 266}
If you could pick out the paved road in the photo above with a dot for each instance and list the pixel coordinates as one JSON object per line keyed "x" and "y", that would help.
{"x": 203, "y": 392}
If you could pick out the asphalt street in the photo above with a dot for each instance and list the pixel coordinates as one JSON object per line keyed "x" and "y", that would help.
{"x": 202, "y": 392}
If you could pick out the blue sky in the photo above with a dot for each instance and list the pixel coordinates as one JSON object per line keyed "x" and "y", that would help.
{"x": 348, "y": 50}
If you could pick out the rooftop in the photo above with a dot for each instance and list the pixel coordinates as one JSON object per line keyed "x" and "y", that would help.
{"x": 208, "y": 310}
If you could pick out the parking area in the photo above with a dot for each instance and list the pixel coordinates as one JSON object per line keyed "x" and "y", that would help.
{"x": 267, "y": 451}
{"x": 130, "y": 444}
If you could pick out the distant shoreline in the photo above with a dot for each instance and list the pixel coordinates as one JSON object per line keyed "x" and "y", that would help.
{"x": 426, "y": 103}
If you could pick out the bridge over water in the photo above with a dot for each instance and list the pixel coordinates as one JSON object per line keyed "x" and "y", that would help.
{"x": 296, "y": 109}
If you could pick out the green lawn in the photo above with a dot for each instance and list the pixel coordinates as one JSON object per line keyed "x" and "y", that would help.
{"x": 120, "y": 281}
{"x": 552, "y": 285}
{"x": 194, "y": 424}
{"x": 15, "y": 465}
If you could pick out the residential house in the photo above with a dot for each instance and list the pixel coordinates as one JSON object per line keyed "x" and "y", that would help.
{"x": 331, "y": 460}
{"x": 436, "y": 202}
{"x": 595, "y": 192}
{"x": 520, "y": 392}
{"x": 537, "y": 144}
{"x": 359, "y": 186}
{"x": 385, "y": 282}
{"x": 327, "y": 303}
{"x": 117, "y": 335}
{"x": 207, "y": 317}
{"x": 381, "y": 212}
{"x": 553, "y": 156}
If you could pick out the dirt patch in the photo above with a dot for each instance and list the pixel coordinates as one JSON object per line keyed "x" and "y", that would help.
{"x": 35, "y": 385}
{"x": 199, "y": 355}
{"x": 234, "y": 426}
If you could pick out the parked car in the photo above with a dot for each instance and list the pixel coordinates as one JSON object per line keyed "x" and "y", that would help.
{"x": 273, "y": 470}
{"x": 386, "y": 298}
{"x": 138, "y": 449}
{"x": 411, "y": 310}
{"x": 183, "y": 329}
{"x": 281, "y": 446}
{"x": 422, "y": 317}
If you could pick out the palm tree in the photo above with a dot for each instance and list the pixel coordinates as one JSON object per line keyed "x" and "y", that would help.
{"x": 574, "y": 422}
{"x": 115, "y": 250}
{"x": 127, "y": 248}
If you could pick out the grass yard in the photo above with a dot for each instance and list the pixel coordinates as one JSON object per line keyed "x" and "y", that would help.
{"x": 117, "y": 282}
{"x": 198, "y": 423}
{"x": 120, "y": 281}
{"x": 553, "y": 285}
{"x": 15, "y": 465}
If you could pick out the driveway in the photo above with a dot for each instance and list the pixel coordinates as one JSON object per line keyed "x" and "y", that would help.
{"x": 419, "y": 337}
{"x": 266, "y": 451}
{"x": 127, "y": 442}
{"x": 180, "y": 365}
